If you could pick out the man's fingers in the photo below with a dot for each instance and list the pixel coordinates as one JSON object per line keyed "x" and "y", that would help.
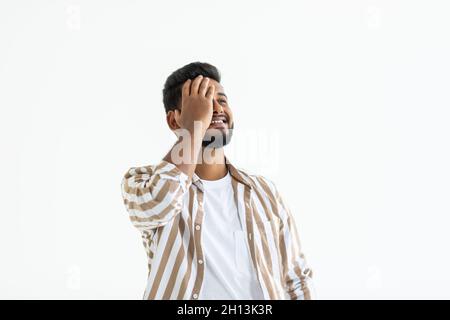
{"x": 186, "y": 88}
{"x": 203, "y": 87}
{"x": 211, "y": 92}
{"x": 195, "y": 85}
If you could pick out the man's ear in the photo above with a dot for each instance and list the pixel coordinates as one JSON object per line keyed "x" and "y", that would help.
{"x": 173, "y": 118}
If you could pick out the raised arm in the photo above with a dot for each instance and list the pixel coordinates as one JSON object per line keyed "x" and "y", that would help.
{"x": 153, "y": 195}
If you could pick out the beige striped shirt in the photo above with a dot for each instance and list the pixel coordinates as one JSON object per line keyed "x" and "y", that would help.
{"x": 167, "y": 208}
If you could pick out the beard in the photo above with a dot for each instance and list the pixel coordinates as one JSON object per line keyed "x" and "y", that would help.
{"x": 217, "y": 138}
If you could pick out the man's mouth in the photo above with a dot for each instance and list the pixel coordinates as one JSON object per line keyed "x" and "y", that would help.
{"x": 218, "y": 122}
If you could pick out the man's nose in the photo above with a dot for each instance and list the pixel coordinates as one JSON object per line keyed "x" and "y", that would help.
{"x": 217, "y": 107}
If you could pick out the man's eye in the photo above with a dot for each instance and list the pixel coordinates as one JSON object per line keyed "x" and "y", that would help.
{"x": 222, "y": 101}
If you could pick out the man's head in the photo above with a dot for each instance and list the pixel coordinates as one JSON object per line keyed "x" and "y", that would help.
{"x": 221, "y": 110}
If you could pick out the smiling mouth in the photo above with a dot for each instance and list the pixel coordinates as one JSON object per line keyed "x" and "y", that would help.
{"x": 218, "y": 122}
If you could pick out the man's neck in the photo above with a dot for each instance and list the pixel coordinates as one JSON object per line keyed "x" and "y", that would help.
{"x": 212, "y": 166}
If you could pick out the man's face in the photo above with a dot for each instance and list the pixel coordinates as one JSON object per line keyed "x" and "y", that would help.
{"x": 220, "y": 130}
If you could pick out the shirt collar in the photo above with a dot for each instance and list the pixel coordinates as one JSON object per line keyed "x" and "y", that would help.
{"x": 234, "y": 172}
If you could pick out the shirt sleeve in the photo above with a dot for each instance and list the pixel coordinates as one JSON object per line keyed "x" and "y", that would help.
{"x": 298, "y": 274}
{"x": 153, "y": 195}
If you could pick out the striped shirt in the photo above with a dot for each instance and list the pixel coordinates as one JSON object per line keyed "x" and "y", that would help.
{"x": 167, "y": 208}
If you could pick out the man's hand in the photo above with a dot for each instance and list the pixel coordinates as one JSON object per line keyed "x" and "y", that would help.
{"x": 196, "y": 104}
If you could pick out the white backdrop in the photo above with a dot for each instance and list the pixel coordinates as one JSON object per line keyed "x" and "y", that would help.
{"x": 352, "y": 95}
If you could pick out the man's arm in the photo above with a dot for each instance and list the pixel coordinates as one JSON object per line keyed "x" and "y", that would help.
{"x": 192, "y": 122}
{"x": 153, "y": 194}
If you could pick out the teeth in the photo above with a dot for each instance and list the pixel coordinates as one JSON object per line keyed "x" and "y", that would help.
{"x": 217, "y": 121}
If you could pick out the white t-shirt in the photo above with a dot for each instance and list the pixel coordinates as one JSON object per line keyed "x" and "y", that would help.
{"x": 229, "y": 271}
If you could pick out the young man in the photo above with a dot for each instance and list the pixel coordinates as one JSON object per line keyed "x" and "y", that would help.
{"x": 211, "y": 231}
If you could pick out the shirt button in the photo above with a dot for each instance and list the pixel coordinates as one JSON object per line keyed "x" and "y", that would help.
{"x": 200, "y": 261}
{"x": 197, "y": 227}
{"x": 195, "y": 296}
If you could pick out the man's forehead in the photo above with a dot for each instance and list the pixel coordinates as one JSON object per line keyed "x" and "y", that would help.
{"x": 219, "y": 87}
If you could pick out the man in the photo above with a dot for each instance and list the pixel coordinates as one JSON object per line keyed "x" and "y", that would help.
{"x": 211, "y": 231}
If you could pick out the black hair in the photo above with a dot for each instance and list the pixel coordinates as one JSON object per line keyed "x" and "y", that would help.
{"x": 174, "y": 83}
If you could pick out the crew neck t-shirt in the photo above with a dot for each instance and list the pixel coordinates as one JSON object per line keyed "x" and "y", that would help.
{"x": 229, "y": 271}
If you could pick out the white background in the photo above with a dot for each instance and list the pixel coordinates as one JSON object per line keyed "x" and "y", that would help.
{"x": 356, "y": 94}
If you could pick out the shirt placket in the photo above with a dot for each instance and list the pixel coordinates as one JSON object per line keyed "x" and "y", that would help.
{"x": 198, "y": 246}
